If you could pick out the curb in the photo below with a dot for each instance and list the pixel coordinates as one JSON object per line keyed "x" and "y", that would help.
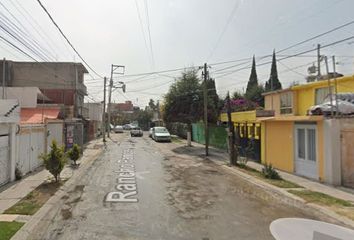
{"x": 285, "y": 197}
{"x": 48, "y": 211}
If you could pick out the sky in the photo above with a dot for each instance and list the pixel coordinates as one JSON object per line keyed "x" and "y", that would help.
{"x": 156, "y": 35}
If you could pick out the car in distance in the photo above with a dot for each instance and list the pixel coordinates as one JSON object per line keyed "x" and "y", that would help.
{"x": 127, "y": 126}
{"x": 136, "y": 132}
{"x": 118, "y": 129}
{"x": 161, "y": 134}
{"x": 150, "y": 132}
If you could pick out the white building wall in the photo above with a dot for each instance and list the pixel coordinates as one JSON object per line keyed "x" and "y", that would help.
{"x": 95, "y": 111}
{"x": 26, "y": 96}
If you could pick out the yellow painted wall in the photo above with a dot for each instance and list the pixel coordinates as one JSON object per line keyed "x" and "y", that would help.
{"x": 279, "y": 148}
{"x": 247, "y": 116}
{"x": 277, "y": 145}
{"x": 306, "y": 92}
{"x": 263, "y": 143}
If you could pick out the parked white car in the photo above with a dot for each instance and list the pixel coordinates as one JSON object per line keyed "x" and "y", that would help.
{"x": 136, "y": 132}
{"x": 161, "y": 134}
{"x": 118, "y": 129}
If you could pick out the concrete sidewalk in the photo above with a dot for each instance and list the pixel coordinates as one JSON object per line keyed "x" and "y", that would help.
{"x": 13, "y": 192}
{"x": 222, "y": 156}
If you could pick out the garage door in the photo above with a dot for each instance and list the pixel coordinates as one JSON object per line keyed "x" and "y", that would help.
{"x": 306, "y": 150}
{"x": 4, "y": 160}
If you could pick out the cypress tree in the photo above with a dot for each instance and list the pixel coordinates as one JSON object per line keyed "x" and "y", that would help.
{"x": 273, "y": 83}
{"x": 253, "y": 80}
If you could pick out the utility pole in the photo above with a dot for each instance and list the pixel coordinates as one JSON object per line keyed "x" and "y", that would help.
{"x": 104, "y": 110}
{"x": 231, "y": 133}
{"x": 109, "y": 103}
{"x": 318, "y": 62}
{"x": 205, "y": 90}
{"x": 335, "y": 83}
{"x": 3, "y": 77}
{"x": 113, "y": 69}
{"x": 329, "y": 85}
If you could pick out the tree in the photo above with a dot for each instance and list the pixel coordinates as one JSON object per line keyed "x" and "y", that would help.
{"x": 184, "y": 100}
{"x": 143, "y": 118}
{"x": 253, "y": 80}
{"x": 55, "y": 160}
{"x": 255, "y": 95}
{"x": 237, "y": 95}
{"x": 273, "y": 83}
{"x": 152, "y": 106}
{"x": 214, "y": 106}
{"x": 74, "y": 153}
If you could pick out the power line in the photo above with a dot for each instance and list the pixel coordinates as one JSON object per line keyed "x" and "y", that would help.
{"x": 142, "y": 26}
{"x": 229, "y": 19}
{"x": 292, "y": 70}
{"x": 317, "y": 36}
{"x": 22, "y": 35}
{"x": 149, "y": 33}
{"x": 37, "y": 27}
{"x": 67, "y": 40}
{"x": 291, "y": 56}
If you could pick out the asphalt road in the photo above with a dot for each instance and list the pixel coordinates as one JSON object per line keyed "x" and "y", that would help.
{"x": 140, "y": 189}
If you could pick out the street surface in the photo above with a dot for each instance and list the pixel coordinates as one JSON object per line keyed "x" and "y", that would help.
{"x": 140, "y": 189}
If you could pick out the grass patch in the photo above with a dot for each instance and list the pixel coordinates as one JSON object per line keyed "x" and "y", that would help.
{"x": 321, "y": 198}
{"x": 276, "y": 182}
{"x": 8, "y": 229}
{"x": 31, "y": 203}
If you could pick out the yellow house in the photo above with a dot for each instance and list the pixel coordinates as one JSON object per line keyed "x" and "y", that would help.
{"x": 248, "y": 127}
{"x": 298, "y": 143}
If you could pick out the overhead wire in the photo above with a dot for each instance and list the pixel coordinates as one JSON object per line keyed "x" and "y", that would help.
{"x": 229, "y": 19}
{"x": 149, "y": 33}
{"x": 67, "y": 40}
{"x": 36, "y": 26}
{"x": 142, "y": 28}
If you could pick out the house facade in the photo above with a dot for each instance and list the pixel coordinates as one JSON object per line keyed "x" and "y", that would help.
{"x": 307, "y": 145}
{"x": 61, "y": 82}
{"x": 313, "y": 146}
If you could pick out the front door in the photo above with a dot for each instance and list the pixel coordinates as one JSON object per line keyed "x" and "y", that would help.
{"x": 306, "y": 150}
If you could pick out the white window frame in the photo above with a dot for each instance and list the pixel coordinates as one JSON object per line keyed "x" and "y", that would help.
{"x": 325, "y": 94}
{"x": 288, "y": 108}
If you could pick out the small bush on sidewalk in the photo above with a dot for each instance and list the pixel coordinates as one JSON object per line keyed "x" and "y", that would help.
{"x": 74, "y": 153}
{"x": 269, "y": 172}
{"x": 55, "y": 160}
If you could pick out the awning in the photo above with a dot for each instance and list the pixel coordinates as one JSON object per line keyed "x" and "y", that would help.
{"x": 38, "y": 115}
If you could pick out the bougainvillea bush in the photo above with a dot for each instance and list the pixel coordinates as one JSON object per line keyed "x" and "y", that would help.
{"x": 240, "y": 105}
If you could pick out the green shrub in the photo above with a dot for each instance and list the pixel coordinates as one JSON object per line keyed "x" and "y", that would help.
{"x": 18, "y": 173}
{"x": 269, "y": 172}
{"x": 55, "y": 160}
{"x": 74, "y": 153}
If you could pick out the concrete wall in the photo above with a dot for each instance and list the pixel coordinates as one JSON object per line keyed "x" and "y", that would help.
{"x": 26, "y": 96}
{"x": 95, "y": 111}
{"x": 45, "y": 75}
{"x": 332, "y": 165}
